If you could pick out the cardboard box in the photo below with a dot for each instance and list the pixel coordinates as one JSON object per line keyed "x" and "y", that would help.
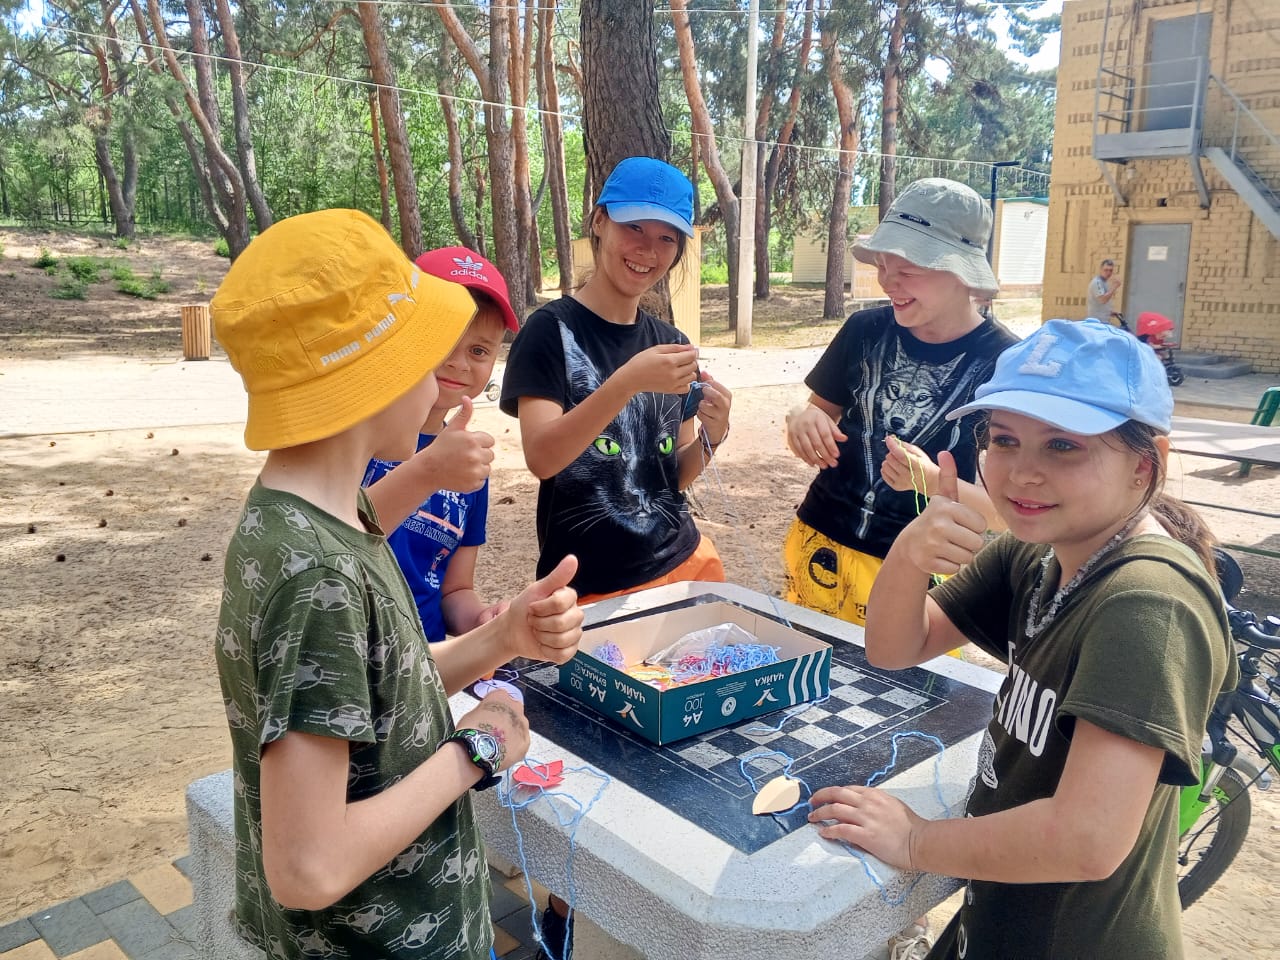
{"x": 803, "y": 673}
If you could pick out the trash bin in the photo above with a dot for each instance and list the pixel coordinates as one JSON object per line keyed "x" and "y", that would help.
{"x": 197, "y": 339}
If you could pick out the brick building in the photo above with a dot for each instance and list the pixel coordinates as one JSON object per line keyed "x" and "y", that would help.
{"x": 1167, "y": 159}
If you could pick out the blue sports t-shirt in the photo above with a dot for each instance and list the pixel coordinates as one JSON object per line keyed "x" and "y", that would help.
{"x": 428, "y": 539}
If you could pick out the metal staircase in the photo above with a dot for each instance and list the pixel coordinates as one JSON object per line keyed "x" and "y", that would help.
{"x": 1174, "y": 107}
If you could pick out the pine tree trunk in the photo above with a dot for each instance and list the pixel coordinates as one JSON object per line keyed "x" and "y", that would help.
{"x": 622, "y": 116}
{"x": 402, "y": 176}
{"x": 380, "y": 162}
{"x": 553, "y": 146}
{"x": 457, "y": 203}
{"x": 240, "y": 113}
{"x": 890, "y": 84}
{"x": 838, "y": 221}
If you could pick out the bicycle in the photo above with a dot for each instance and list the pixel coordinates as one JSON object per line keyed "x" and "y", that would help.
{"x": 1214, "y": 814}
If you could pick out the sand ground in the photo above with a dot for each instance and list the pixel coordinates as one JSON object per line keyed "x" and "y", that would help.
{"x": 111, "y": 549}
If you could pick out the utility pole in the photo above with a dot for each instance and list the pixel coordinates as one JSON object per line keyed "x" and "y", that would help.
{"x": 747, "y": 198}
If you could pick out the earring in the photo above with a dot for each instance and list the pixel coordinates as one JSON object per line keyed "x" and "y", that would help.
{"x": 1137, "y": 481}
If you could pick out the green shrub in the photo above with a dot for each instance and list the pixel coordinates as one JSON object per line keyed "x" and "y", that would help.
{"x": 122, "y": 243}
{"x": 84, "y": 269}
{"x": 69, "y": 288}
{"x": 147, "y": 289}
{"x": 45, "y": 260}
{"x": 121, "y": 272}
{"x": 715, "y": 273}
{"x": 220, "y": 247}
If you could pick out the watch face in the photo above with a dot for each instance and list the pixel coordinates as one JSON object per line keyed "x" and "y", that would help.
{"x": 485, "y": 746}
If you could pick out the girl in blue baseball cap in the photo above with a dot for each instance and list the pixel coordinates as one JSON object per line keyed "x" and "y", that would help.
{"x": 1101, "y": 601}
{"x": 616, "y": 419}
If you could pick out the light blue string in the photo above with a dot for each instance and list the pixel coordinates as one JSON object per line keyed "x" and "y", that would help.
{"x": 871, "y": 781}
{"x": 567, "y": 819}
{"x": 789, "y": 714}
{"x": 786, "y": 765}
{"x": 611, "y": 654}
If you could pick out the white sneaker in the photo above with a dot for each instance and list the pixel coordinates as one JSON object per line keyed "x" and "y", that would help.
{"x": 913, "y": 943}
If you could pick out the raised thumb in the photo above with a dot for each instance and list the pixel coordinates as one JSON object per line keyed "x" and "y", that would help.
{"x": 557, "y": 578}
{"x": 948, "y": 480}
{"x": 460, "y": 419}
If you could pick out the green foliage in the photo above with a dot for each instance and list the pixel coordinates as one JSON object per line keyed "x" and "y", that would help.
{"x": 45, "y": 260}
{"x": 715, "y": 273}
{"x": 70, "y": 288}
{"x": 147, "y": 289}
{"x": 84, "y": 269}
{"x": 122, "y": 243}
{"x": 220, "y": 247}
{"x": 121, "y": 272}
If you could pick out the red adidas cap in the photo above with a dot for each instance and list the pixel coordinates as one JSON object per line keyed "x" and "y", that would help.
{"x": 472, "y": 271}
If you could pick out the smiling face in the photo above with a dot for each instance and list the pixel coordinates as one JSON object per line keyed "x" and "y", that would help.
{"x": 467, "y": 370}
{"x": 1061, "y": 488}
{"x": 632, "y": 257}
{"x": 933, "y": 304}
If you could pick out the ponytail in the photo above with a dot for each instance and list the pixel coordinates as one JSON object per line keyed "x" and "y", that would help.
{"x": 1180, "y": 521}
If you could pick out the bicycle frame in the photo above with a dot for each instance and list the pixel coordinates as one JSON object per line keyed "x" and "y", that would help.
{"x": 1258, "y": 718}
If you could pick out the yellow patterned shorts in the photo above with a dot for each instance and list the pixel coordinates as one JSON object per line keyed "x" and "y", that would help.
{"x": 827, "y": 576}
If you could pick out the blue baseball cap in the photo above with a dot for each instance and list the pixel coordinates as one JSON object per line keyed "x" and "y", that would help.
{"x": 1084, "y": 376}
{"x": 642, "y": 188}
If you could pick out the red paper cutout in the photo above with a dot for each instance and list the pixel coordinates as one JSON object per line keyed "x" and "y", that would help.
{"x": 542, "y": 775}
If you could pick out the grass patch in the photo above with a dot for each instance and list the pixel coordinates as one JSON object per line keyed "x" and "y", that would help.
{"x": 69, "y": 288}
{"x": 147, "y": 289}
{"x": 122, "y": 243}
{"x": 85, "y": 269}
{"x": 220, "y": 247}
{"x": 45, "y": 260}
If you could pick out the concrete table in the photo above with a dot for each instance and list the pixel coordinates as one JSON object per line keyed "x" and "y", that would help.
{"x": 1226, "y": 441}
{"x": 709, "y": 880}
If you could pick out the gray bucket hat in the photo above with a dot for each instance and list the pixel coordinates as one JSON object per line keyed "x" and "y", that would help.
{"x": 937, "y": 224}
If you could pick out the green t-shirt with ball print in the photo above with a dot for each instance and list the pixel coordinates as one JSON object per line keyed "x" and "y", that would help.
{"x": 319, "y": 634}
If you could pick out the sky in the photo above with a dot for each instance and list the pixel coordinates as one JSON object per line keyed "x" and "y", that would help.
{"x": 29, "y": 17}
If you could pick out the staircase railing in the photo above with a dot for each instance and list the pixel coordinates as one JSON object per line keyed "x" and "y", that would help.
{"x": 1231, "y": 125}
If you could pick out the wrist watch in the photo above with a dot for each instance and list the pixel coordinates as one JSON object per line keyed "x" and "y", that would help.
{"x": 483, "y": 749}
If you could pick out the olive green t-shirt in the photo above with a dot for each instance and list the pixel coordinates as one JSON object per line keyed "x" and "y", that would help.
{"x": 318, "y": 633}
{"x": 1141, "y": 649}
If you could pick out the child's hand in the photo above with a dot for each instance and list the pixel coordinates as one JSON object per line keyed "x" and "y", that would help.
{"x": 947, "y": 534}
{"x": 870, "y": 819}
{"x": 813, "y": 436}
{"x": 713, "y": 411}
{"x": 503, "y": 717}
{"x": 666, "y": 368}
{"x": 907, "y": 467}
{"x": 459, "y": 458}
{"x": 545, "y": 622}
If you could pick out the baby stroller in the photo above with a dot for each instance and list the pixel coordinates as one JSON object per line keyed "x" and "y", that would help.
{"x": 1151, "y": 330}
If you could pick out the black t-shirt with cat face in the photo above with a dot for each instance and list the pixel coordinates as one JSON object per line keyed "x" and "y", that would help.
{"x": 885, "y": 381}
{"x": 618, "y": 506}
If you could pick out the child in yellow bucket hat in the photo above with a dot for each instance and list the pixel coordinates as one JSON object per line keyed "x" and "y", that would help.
{"x": 352, "y": 780}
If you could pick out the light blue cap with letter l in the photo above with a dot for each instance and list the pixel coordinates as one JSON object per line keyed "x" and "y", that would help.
{"x": 1085, "y": 377}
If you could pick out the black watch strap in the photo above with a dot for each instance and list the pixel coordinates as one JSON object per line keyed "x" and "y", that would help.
{"x": 483, "y": 749}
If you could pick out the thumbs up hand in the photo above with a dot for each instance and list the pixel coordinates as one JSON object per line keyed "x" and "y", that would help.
{"x": 459, "y": 458}
{"x": 947, "y": 534}
{"x": 545, "y": 622}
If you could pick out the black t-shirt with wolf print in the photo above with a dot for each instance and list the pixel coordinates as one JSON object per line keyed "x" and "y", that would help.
{"x": 885, "y": 381}
{"x": 618, "y": 506}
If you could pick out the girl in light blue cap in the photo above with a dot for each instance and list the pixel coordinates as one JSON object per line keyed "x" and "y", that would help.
{"x": 1100, "y": 600}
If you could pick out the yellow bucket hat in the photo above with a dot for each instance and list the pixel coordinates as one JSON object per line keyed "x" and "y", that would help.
{"x": 327, "y": 322}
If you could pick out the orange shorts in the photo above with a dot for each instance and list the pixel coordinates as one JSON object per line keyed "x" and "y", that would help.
{"x": 703, "y": 564}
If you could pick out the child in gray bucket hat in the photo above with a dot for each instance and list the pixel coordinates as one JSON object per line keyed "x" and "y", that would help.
{"x": 876, "y": 417}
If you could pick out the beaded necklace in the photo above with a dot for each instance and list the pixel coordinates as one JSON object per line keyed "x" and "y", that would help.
{"x": 1035, "y": 626}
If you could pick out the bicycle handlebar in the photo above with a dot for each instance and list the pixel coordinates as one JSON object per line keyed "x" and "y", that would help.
{"x": 1244, "y": 627}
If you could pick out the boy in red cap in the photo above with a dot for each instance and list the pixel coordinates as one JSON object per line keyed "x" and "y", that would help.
{"x": 355, "y": 831}
{"x": 438, "y": 541}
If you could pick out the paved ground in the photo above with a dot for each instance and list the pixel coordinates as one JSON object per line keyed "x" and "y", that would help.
{"x": 148, "y": 917}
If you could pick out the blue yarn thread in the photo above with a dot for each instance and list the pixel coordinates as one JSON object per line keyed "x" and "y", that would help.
{"x": 786, "y": 764}
{"x": 729, "y": 658}
{"x": 506, "y": 797}
{"x": 611, "y": 654}
{"x": 789, "y": 714}
{"x": 871, "y": 782}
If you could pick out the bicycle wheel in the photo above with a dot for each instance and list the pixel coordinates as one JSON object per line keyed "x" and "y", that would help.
{"x": 1208, "y": 848}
